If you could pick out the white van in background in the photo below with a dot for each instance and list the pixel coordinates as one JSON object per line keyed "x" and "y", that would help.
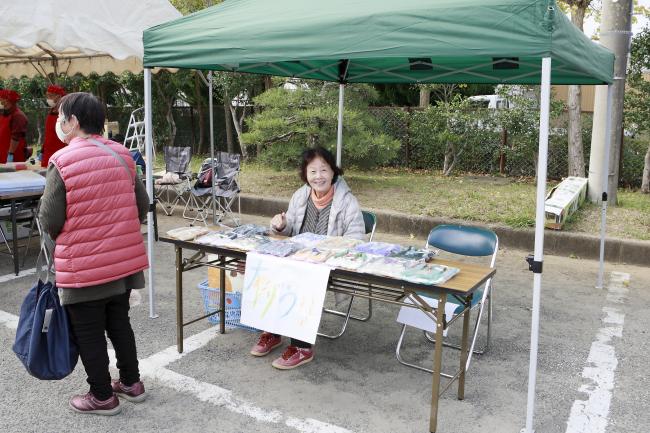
{"x": 490, "y": 101}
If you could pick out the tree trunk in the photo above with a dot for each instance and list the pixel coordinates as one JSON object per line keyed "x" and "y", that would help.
{"x": 169, "y": 116}
{"x": 267, "y": 82}
{"x": 172, "y": 124}
{"x": 450, "y": 159}
{"x": 200, "y": 107}
{"x": 238, "y": 128}
{"x": 645, "y": 182}
{"x": 425, "y": 97}
{"x": 576, "y": 154}
{"x": 230, "y": 145}
{"x": 502, "y": 153}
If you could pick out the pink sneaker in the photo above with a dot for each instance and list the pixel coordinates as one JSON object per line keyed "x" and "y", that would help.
{"x": 293, "y": 357}
{"x": 266, "y": 344}
{"x": 87, "y": 403}
{"x": 134, "y": 393}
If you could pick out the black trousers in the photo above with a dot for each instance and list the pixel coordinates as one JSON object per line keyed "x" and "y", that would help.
{"x": 297, "y": 343}
{"x": 90, "y": 322}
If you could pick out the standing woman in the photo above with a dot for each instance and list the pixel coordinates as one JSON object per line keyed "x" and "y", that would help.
{"x": 92, "y": 207}
{"x": 13, "y": 128}
{"x": 5, "y": 132}
{"x": 52, "y": 143}
{"x": 326, "y": 206}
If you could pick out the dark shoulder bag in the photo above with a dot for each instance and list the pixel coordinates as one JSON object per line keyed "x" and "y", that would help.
{"x": 44, "y": 342}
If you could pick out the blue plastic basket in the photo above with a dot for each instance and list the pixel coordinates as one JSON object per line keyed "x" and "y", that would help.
{"x": 211, "y": 302}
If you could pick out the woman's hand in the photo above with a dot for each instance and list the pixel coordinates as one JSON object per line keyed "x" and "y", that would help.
{"x": 279, "y": 222}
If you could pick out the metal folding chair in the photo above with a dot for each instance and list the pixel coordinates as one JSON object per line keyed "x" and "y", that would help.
{"x": 370, "y": 222}
{"x": 198, "y": 205}
{"x": 26, "y": 212}
{"x": 463, "y": 241}
{"x": 225, "y": 169}
{"x": 176, "y": 181}
{"x": 227, "y": 187}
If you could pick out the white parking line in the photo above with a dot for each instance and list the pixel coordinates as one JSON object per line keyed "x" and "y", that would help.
{"x": 12, "y": 276}
{"x": 592, "y": 415}
{"x": 153, "y": 367}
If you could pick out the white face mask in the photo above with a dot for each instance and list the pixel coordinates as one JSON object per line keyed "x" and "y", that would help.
{"x": 59, "y": 132}
{"x": 50, "y": 102}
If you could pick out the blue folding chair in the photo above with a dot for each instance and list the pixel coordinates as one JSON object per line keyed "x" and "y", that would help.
{"x": 461, "y": 241}
{"x": 370, "y": 223}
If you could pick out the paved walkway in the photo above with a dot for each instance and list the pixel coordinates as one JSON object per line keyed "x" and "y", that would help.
{"x": 591, "y": 364}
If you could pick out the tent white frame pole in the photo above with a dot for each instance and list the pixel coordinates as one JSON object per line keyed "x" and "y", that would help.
{"x": 210, "y": 110}
{"x": 538, "y": 256}
{"x": 339, "y": 130}
{"x": 603, "y": 218}
{"x": 150, "y": 217}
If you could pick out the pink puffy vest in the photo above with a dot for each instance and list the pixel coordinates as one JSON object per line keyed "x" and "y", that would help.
{"x": 100, "y": 240}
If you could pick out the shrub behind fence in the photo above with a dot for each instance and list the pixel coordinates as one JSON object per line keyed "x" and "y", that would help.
{"x": 484, "y": 146}
{"x": 421, "y": 148}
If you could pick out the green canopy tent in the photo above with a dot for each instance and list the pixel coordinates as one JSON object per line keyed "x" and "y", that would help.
{"x": 383, "y": 41}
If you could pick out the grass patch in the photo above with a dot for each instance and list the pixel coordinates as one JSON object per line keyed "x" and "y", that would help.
{"x": 480, "y": 199}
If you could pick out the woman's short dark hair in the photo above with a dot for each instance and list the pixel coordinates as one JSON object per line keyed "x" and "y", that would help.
{"x": 88, "y": 110}
{"x": 310, "y": 154}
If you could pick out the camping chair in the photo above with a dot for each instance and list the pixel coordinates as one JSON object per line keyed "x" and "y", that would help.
{"x": 370, "y": 223}
{"x": 176, "y": 180}
{"x": 225, "y": 170}
{"x": 459, "y": 240}
{"x": 227, "y": 186}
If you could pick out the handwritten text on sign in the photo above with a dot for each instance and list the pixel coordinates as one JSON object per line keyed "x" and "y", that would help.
{"x": 283, "y": 296}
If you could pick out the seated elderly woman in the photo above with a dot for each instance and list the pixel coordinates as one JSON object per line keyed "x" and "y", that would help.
{"x": 324, "y": 205}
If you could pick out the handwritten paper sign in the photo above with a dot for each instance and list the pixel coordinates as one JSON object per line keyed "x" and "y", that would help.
{"x": 283, "y": 296}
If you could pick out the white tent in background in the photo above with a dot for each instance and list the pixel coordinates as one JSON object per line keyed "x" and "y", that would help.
{"x": 80, "y": 36}
{"x": 39, "y": 37}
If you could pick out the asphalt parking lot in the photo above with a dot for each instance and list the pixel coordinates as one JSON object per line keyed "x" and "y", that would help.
{"x": 592, "y": 369}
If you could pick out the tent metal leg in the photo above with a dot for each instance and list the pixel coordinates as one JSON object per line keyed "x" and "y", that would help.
{"x": 339, "y": 130}
{"x": 536, "y": 263}
{"x": 603, "y": 218}
{"x": 211, "y": 110}
{"x": 179, "y": 298}
{"x": 151, "y": 229}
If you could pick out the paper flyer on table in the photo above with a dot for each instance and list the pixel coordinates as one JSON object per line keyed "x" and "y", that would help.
{"x": 283, "y": 296}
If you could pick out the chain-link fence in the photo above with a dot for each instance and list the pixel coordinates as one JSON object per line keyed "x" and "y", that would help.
{"x": 187, "y": 122}
{"x": 481, "y": 146}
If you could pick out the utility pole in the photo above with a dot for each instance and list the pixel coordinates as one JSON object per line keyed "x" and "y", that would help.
{"x": 616, "y": 33}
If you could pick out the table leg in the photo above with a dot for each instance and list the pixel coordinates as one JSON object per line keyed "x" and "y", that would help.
{"x": 463, "y": 354}
{"x": 437, "y": 362}
{"x": 14, "y": 233}
{"x": 222, "y": 295}
{"x": 179, "y": 299}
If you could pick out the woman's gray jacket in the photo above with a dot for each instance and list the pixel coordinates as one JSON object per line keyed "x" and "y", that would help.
{"x": 345, "y": 215}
